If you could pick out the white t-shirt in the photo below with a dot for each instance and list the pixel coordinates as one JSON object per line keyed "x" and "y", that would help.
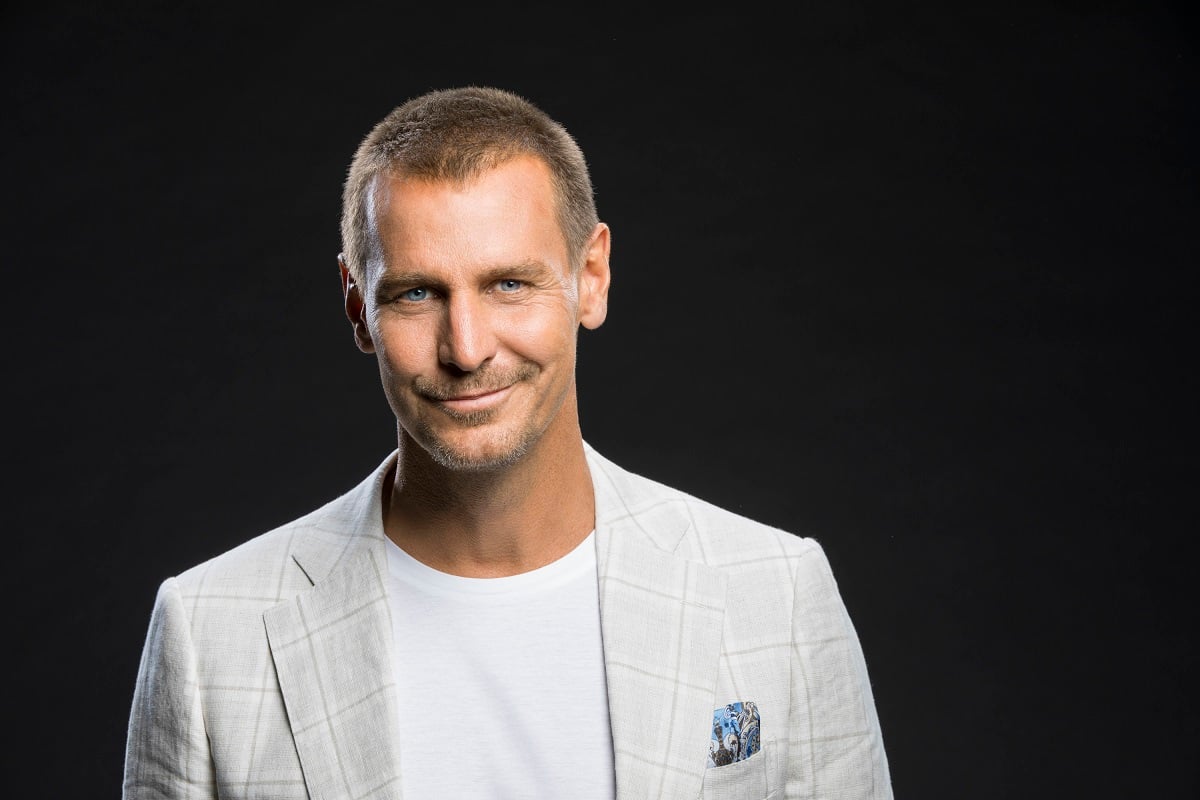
{"x": 501, "y": 682}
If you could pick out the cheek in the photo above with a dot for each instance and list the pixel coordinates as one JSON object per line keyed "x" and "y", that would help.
{"x": 401, "y": 348}
{"x": 542, "y": 337}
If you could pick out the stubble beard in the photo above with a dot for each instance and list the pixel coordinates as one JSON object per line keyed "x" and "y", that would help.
{"x": 511, "y": 447}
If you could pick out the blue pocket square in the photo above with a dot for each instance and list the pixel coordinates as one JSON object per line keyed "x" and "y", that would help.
{"x": 735, "y": 734}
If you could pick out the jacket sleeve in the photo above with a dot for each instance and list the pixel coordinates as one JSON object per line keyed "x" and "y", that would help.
{"x": 835, "y": 748}
{"x": 166, "y": 752}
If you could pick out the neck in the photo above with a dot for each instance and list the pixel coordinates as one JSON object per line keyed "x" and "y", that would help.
{"x": 486, "y": 524}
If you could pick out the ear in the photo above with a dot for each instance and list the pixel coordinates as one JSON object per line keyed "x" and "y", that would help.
{"x": 594, "y": 278}
{"x": 355, "y": 310}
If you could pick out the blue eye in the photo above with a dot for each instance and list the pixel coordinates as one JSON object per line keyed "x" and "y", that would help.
{"x": 510, "y": 285}
{"x": 416, "y": 294}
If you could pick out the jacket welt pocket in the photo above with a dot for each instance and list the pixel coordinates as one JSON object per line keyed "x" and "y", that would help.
{"x": 743, "y": 780}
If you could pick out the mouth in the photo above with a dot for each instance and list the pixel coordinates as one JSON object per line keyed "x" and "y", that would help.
{"x": 476, "y": 398}
{"x": 474, "y": 402}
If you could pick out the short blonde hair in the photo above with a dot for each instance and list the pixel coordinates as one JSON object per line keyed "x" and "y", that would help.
{"x": 455, "y": 135}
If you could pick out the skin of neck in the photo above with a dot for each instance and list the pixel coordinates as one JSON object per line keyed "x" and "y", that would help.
{"x": 494, "y": 523}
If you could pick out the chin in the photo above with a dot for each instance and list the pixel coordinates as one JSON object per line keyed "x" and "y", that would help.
{"x": 497, "y": 453}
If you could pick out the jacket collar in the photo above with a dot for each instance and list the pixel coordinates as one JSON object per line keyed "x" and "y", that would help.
{"x": 332, "y": 647}
{"x": 661, "y": 617}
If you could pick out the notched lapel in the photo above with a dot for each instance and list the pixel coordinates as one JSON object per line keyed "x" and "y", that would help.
{"x": 332, "y": 651}
{"x": 661, "y": 618}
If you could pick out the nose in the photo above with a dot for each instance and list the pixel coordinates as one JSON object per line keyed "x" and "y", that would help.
{"x": 467, "y": 340}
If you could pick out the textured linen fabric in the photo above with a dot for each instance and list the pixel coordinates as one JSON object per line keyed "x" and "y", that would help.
{"x": 267, "y": 671}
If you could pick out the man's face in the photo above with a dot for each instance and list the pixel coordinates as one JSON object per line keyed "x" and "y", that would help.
{"x": 473, "y": 310}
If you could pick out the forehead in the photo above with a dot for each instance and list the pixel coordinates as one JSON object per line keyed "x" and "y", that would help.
{"x": 505, "y": 213}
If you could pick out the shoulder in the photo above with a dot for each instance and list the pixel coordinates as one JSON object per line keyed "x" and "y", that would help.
{"x": 247, "y": 561}
{"x": 295, "y": 552}
{"x": 712, "y": 534}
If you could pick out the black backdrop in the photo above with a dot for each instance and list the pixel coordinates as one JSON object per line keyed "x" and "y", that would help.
{"x": 910, "y": 280}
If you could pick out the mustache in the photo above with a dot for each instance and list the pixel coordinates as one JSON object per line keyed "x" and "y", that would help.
{"x": 473, "y": 384}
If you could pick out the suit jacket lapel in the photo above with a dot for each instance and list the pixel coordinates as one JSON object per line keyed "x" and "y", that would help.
{"x": 661, "y": 619}
{"x": 332, "y": 650}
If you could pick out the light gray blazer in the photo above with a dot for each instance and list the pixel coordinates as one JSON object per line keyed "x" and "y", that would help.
{"x": 267, "y": 670}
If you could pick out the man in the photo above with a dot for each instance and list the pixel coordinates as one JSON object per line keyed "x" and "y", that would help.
{"x": 497, "y": 611}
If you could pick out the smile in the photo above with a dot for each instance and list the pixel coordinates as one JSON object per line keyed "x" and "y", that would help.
{"x": 474, "y": 403}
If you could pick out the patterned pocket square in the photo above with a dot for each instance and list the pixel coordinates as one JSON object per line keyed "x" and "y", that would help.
{"x": 734, "y": 734}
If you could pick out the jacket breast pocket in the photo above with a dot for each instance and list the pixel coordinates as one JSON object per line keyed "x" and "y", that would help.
{"x": 751, "y": 779}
